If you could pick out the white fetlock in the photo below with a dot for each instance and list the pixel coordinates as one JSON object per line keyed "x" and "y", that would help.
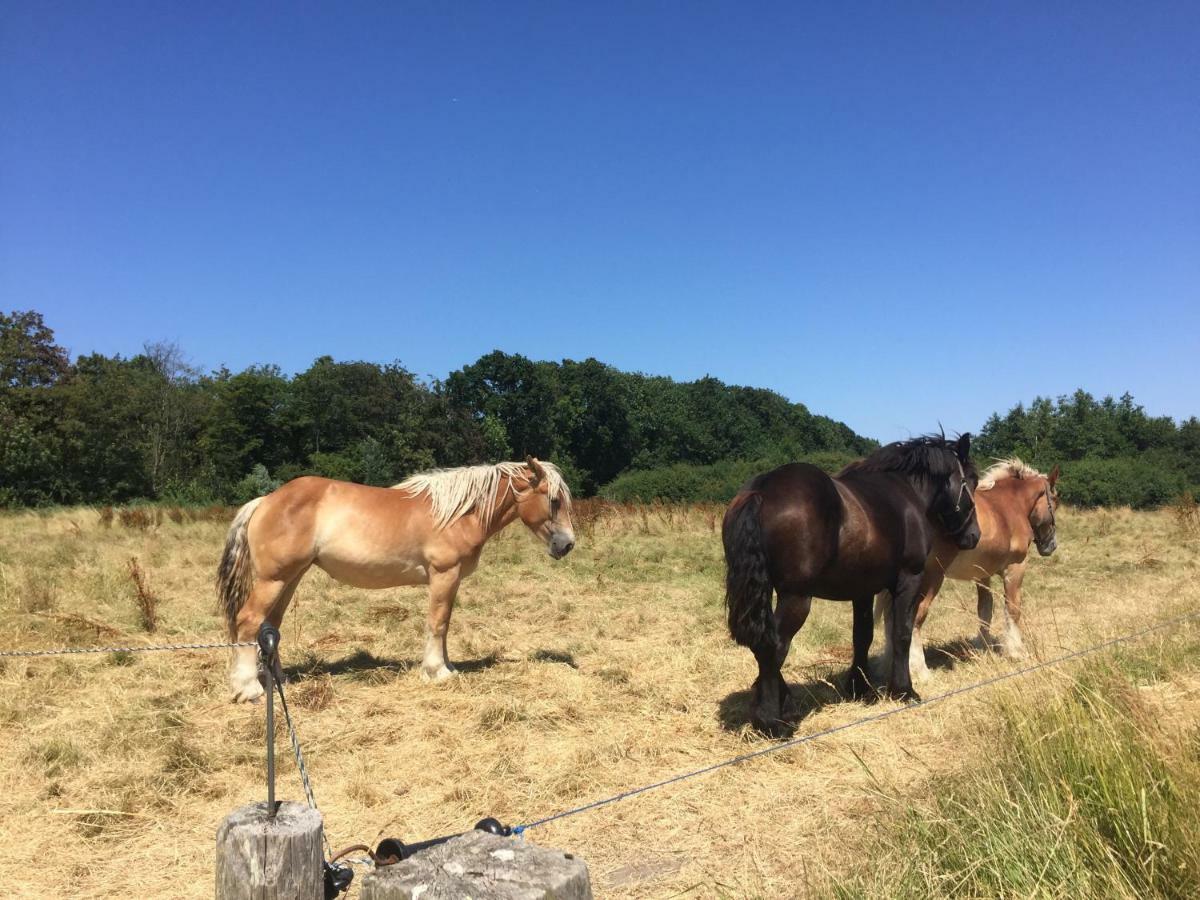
{"x": 1014, "y": 650}
{"x": 917, "y": 669}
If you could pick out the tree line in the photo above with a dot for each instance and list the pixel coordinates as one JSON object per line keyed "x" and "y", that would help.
{"x": 1111, "y": 452}
{"x": 109, "y": 429}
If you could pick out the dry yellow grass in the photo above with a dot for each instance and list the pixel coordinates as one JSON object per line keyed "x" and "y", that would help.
{"x": 581, "y": 679}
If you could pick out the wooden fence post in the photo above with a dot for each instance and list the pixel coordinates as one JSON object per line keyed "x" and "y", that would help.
{"x": 259, "y": 858}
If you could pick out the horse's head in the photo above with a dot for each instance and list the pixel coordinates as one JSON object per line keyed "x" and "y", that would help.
{"x": 1041, "y": 517}
{"x": 955, "y": 503}
{"x": 544, "y": 504}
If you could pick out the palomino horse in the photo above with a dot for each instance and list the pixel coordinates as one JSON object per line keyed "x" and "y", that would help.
{"x": 1016, "y": 505}
{"x": 799, "y": 532}
{"x": 429, "y": 529}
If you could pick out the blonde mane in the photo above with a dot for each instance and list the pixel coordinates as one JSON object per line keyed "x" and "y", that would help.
{"x": 455, "y": 492}
{"x": 1012, "y": 467}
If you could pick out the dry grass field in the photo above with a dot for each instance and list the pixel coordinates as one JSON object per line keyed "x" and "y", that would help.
{"x": 580, "y": 679}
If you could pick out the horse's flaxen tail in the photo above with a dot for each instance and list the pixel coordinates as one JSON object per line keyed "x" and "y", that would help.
{"x": 747, "y": 583}
{"x": 235, "y": 574}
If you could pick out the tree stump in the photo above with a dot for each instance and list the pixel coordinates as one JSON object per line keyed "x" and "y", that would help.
{"x": 261, "y": 859}
{"x": 481, "y": 866}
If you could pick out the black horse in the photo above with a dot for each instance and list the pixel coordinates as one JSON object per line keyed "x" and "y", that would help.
{"x": 802, "y": 533}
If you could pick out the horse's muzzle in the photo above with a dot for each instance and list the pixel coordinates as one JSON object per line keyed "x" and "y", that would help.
{"x": 968, "y": 538}
{"x": 561, "y": 545}
{"x": 1045, "y": 549}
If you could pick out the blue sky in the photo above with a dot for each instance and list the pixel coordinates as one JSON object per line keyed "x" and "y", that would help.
{"x": 898, "y": 214}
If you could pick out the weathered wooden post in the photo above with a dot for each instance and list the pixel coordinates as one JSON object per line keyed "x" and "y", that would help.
{"x": 263, "y": 857}
{"x": 270, "y": 851}
{"x": 481, "y": 866}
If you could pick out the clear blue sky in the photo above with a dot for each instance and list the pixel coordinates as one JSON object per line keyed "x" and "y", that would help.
{"x": 894, "y": 213}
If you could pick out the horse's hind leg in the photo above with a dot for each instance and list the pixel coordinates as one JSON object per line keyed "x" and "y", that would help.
{"x": 268, "y": 600}
{"x": 790, "y": 614}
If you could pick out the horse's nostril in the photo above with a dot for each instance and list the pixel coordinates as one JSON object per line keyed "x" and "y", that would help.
{"x": 568, "y": 547}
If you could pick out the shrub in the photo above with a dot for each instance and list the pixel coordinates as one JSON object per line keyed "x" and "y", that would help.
{"x": 256, "y": 484}
{"x": 716, "y": 483}
{"x": 1124, "y": 481}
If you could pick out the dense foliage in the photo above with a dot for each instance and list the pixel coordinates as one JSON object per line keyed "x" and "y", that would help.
{"x": 1111, "y": 452}
{"x": 110, "y": 429}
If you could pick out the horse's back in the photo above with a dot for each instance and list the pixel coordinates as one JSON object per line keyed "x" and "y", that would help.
{"x": 840, "y": 537}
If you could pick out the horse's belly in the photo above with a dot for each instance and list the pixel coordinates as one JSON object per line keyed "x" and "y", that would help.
{"x": 857, "y": 582}
{"x": 374, "y": 574}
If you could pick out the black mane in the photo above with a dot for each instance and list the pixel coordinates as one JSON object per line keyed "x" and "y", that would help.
{"x": 930, "y": 456}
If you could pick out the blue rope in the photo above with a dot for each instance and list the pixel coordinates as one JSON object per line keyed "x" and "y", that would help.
{"x": 874, "y": 717}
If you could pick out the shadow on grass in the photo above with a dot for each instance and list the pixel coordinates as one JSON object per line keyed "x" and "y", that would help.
{"x": 828, "y": 686}
{"x": 947, "y": 655}
{"x": 807, "y": 697}
{"x": 554, "y": 656}
{"x": 361, "y": 663}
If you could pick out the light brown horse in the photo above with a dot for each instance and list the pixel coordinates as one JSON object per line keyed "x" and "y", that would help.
{"x": 1016, "y": 505}
{"x": 429, "y": 529}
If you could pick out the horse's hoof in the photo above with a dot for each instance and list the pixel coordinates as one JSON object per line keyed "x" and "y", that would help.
{"x": 438, "y": 675}
{"x": 248, "y": 693}
{"x": 859, "y": 689}
{"x": 770, "y": 727}
{"x": 904, "y": 696}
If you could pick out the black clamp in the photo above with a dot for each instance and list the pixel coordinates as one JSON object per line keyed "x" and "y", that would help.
{"x": 337, "y": 879}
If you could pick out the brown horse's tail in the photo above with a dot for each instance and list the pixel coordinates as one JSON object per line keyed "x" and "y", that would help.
{"x": 747, "y": 583}
{"x": 235, "y": 574}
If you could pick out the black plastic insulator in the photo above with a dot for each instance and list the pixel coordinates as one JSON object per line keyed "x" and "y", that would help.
{"x": 391, "y": 848}
{"x": 493, "y": 826}
{"x": 268, "y": 639}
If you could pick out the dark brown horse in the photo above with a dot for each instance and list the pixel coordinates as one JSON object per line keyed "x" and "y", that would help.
{"x": 802, "y": 534}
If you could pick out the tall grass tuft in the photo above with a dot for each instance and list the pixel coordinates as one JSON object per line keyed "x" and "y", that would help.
{"x": 146, "y": 600}
{"x": 1088, "y": 795}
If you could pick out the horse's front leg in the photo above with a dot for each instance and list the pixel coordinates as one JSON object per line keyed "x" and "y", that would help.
{"x": 931, "y": 583}
{"x": 443, "y": 588}
{"x": 864, "y": 632}
{"x": 904, "y": 597}
{"x": 1011, "y": 643}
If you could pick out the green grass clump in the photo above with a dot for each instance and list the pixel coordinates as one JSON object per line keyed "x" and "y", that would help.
{"x": 1089, "y": 794}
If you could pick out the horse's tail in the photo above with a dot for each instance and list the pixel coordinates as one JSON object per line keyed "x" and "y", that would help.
{"x": 747, "y": 582}
{"x": 235, "y": 574}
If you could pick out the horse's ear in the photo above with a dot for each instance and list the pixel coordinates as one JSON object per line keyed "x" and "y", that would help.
{"x": 536, "y": 468}
{"x": 1053, "y": 476}
{"x": 963, "y": 447}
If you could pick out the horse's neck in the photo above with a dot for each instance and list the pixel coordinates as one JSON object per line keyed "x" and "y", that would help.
{"x": 925, "y": 489}
{"x": 504, "y": 511}
{"x": 1014, "y": 500}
